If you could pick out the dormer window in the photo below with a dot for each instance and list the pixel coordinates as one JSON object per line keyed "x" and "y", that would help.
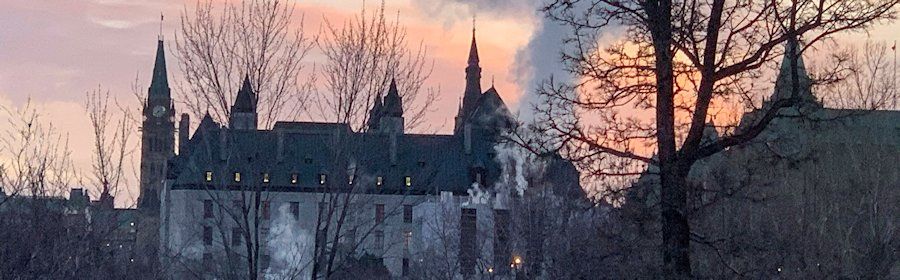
{"x": 322, "y": 179}
{"x": 208, "y": 176}
{"x": 265, "y": 177}
{"x": 237, "y": 177}
{"x": 379, "y": 181}
{"x": 294, "y": 177}
{"x": 408, "y": 181}
{"x": 351, "y": 179}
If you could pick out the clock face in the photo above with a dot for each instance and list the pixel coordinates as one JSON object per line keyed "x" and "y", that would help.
{"x": 158, "y": 111}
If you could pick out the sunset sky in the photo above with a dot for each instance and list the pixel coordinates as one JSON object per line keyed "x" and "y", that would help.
{"x": 53, "y": 52}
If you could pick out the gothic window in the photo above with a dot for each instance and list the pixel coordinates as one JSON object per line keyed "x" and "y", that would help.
{"x": 379, "y": 240}
{"x": 379, "y": 181}
{"x": 407, "y": 239}
{"x": 379, "y": 213}
{"x": 467, "y": 240}
{"x": 294, "y": 177}
{"x": 207, "y": 235}
{"x": 209, "y": 176}
{"x": 237, "y": 177}
{"x": 322, "y": 178}
{"x": 408, "y": 181}
{"x": 407, "y": 213}
{"x": 295, "y": 210}
{"x": 405, "y": 266}
{"x": 265, "y": 177}
{"x": 207, "y": 208}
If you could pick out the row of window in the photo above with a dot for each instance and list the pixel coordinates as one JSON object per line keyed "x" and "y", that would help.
{"x": 407, "y": 213}
{"x": 379, "y": 181}
{"x": 295, "y": 210}
{"x": 239, "y": 205}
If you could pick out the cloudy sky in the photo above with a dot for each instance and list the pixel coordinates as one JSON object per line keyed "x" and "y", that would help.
{"x": 53, "y": 52}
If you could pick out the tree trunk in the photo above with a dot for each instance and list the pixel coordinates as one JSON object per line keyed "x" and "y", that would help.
{"x": 675, "y": 228}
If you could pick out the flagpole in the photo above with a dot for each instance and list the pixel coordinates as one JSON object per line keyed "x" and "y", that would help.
{"x": 894, "y": 78}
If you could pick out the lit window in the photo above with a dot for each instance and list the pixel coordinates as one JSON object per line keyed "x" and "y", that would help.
{"x": 265, "y": 177}
{"x": 379, "y": 181}
{"x": 350, "y": 180}
{"x": 408, "y": 181}
{"x": 322, "y": 179}
{"x": 209, "y": 176}
{"x": 237, "y": 176}
{"x": 294, "y": 178}
{"x": 407, "y": 238}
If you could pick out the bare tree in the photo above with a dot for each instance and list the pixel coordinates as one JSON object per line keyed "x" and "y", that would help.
{"x": 256, "y": 38}
{"x": 363, "y": 55}
{"x": 111, "y": 147}
{"x": 866, "y": 78}
{"x": 37, "y": 158}
{"x": 678, "y": 61}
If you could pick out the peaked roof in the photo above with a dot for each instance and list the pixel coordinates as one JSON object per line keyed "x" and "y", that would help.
{"x": 246, "y": 98}
{"x": 473, "y": 50}
{"x": 784, "y": 83}
{"x": 393, "y": 104}
{"x": 160, "y": 79}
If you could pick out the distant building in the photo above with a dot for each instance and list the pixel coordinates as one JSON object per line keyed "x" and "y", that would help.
{"x": 288, "y": 186}
{"x": 815, "y": 195}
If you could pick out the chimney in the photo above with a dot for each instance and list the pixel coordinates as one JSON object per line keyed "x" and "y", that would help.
{"x": 467, "y": 135}
{"x": 279, "y": 146}
{"x": 223, "y": 142}
{"x": 393, "y": 148}
{"x": 184, "y": 127}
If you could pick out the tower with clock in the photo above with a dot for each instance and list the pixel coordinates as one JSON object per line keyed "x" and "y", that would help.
{"x": 158, "y": 134}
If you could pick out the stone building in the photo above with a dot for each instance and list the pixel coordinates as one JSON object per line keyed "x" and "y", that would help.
{"x": 815, "y": 195}
{"x": 310, "y": 197}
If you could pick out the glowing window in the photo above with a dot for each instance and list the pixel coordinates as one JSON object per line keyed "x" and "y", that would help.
{"x": 408, "y": 181}
{"x": 265, "y": 177}
{"x": 237, "y": 176}
{"x": 322, "y": 179}
{"x": 350, "y": 180}
{"x": 209, "y": 176}
{"x": 379, "y": 181}
{"x": 294, "y": 178}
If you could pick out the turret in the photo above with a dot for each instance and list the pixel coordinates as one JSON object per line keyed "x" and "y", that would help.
{"x": 243, "y": 112}
{"x": 392, "y": 113}
{"x": 473, "y": 87}
{"x": 184, "y": 126}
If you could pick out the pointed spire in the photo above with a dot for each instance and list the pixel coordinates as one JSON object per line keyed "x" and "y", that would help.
{"x": 784, "y": 82}
{"x": 393, "y": 104}
{"x": 376, "y": 113}
{"x": 160, "y": 79}
{"x": 246, "y": 98}
{"x": 473, "y": 49}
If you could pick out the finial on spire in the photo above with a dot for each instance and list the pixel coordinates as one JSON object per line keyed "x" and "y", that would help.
{"x": 492, "y": 80}
{"x": 473, "y": 26}
{"x": 161, "y": 17}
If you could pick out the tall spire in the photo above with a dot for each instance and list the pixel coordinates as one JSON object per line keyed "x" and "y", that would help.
{"x": 160, "y": 78}
{"x": 473, "y": 49}
{"x": 784, "y": 83}
{"x": 473, "y": 85}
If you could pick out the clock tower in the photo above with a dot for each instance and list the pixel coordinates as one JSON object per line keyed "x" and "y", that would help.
{"x": 158, "y": 134}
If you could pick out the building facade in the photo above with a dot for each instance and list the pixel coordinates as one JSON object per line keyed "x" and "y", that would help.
{"x": 306, "y": 198}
